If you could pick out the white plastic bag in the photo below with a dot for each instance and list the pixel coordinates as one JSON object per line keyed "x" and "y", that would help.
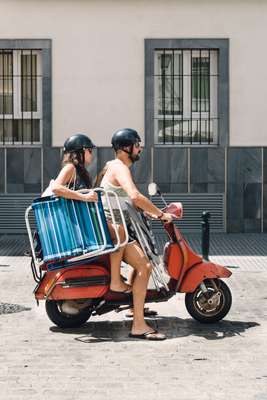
{"x": 48, "y": 191}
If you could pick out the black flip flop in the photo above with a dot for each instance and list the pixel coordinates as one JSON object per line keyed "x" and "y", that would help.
{"x": 150, "y": 335}
{"x": 147, "y": 313}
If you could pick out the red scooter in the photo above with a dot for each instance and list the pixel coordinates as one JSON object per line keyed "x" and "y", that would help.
{"x": 207, "y": 297}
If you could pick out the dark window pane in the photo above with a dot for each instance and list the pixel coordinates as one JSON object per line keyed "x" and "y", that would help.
{"x": 200, "y": 84}
{"x": 27, "y": 130}
{"x": 20, "y": 131}
{"x": 6, "y": 84}
{"x": 29, "y": 82}
{"x": 169, "y": 98}
{"x": 5, "y": 130}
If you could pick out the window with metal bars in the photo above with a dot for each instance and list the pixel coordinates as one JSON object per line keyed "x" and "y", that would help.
{"x": 20, "y": 97}
{"x": 186, "y": 96}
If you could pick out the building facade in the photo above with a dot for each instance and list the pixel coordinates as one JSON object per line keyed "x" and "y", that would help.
{"x": 189, "y": 76}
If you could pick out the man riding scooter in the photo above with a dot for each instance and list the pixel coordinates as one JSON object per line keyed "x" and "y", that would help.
{"x": 117, "y": 177}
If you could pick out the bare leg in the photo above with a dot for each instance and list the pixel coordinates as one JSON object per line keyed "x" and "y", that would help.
{"x": 115, "y": 262}
{"x": 147, "y": 311}
{"x": 134, "y": 256}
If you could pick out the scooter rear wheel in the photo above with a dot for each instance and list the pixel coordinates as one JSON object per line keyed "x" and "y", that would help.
{"x": 208, "y": 309}
{"x": 63, "y": 320}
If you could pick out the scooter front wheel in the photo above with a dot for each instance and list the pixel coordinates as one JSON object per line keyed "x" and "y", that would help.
{"x": 63, "y": 320}
{"x": 210, "y": 306}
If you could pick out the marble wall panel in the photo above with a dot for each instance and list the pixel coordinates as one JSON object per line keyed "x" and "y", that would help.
{"x": 244, "y": 173}
{"x": 252, "y": 225}
{"x": 24, "y": 170}
{"x": 15, "y": 170}
{"x": 171, "y": 169}
{"x": 32, "y": 171}
{"x": 207, "y": 170}
{"x": 199, "y": 187}
{"x": 51, "y": 164}
{"x": 92, "y": 168}
{"x": 104, "y": 154}
{"x": 264, "y": 165}
{"x": 2, "y": 170}
{"x": 265, "y": 207}
{"x": 141, "y": 169}
{"x": 252, "y": 201}
{"x": 244, "y": 165}
{"x": 265, "y": 189}
{"x": 178, "y": 188}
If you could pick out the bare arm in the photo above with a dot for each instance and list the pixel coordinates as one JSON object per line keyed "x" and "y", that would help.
{"x": 123, "y": 176}
{"x": 64, "y": 177}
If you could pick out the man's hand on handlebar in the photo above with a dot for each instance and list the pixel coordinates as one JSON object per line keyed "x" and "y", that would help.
{"x": 165, "y": 217}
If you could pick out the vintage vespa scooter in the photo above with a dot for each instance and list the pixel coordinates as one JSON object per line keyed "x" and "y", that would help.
{"x": 86, "y": 277}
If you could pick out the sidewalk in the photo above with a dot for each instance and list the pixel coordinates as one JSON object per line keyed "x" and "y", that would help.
{"x": 247, "y": 251}
{"x": 227, "y": 360}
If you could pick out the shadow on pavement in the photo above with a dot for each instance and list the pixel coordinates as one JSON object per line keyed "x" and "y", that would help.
{"x": 8, "y": 308}
{"x": 173, "y": 327}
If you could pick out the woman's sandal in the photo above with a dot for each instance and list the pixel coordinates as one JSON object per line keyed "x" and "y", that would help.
{"x": 150, "y": 335}
{"x": 126, "y": 291}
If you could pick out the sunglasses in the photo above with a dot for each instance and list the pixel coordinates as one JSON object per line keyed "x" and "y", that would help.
{"x": 137, "y": 145}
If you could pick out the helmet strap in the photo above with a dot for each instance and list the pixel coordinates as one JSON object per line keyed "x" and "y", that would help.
{"x": 130, "y": 153}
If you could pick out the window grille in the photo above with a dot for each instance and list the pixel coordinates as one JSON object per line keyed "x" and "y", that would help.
{"x": 20, "y": 97}
{"x": 186, "y": 87}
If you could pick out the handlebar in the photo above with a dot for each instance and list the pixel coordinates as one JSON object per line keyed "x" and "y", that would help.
{"x": 175, "y": 209}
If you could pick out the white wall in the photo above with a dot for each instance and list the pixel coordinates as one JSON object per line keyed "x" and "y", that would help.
{"x": 98, "y": 57}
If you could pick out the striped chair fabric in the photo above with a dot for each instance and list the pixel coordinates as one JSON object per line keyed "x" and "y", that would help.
{"x": 69, "y": 228}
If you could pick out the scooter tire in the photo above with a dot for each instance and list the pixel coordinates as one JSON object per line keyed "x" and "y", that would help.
{"x": 63, "y": 320}
{"x": 204, "y": 316}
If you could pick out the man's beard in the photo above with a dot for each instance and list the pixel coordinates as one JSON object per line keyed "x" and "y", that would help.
{"x": 135, "y": 157}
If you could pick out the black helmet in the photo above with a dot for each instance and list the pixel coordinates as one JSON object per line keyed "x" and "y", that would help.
{"x": 78, "y": 142}
{"x": 124, "y": 137}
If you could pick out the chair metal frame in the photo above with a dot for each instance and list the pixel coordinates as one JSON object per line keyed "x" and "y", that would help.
{"x": 87, "y": 255}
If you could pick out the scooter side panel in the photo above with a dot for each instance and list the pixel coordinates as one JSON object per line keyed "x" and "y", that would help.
{"x": 74, "y": 283}
{"x": 178, "y": 258}
{"x": 173, "y": 259}
{"x": 200, "y": 272}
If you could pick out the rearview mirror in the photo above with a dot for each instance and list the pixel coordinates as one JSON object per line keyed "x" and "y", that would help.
{"x": 152, "y": 189}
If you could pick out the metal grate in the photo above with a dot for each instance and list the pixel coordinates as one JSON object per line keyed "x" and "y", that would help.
{"x": 12, "y": 213}
{"x": 193, "y": 206}
{"x": 20, "y": 97}
{"x": 185, "y": 110}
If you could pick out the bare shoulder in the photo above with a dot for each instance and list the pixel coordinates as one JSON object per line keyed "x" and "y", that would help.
{"x": 66, "y": 173}
{"x": 118, "y": 171}
{"x": 69, "y": 167}
{"x": 117, "y": 165}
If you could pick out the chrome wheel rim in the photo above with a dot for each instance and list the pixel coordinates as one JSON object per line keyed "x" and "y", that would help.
{"x": 210, "y": 305}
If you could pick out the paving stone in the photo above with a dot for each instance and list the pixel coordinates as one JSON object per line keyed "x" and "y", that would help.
{"x": 227, "y": 360}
